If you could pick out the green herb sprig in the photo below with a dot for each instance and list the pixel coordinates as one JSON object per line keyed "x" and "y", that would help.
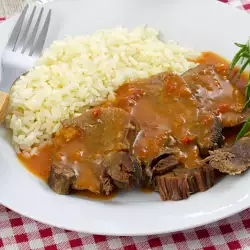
{"x": 243, "y": 131}
{"x": 242, "y": 58}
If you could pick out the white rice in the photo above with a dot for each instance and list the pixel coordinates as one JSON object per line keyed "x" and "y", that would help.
{"x": 84, "y": 71}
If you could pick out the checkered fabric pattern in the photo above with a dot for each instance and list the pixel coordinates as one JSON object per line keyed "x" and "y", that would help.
{"x": 241, "y": 4}
{"x": 18, "y": 232}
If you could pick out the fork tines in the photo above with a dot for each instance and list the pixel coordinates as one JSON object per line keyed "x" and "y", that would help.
{"x": 25, "y": 37}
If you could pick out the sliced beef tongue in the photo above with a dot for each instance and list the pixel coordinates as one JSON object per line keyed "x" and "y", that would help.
{"x": 98, "y": 158}
{"x": 232, "y": 160}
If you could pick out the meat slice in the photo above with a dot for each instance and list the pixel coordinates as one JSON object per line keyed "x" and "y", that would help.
{"x": 94, "y": 148}
{"x": 180, "y": 183}
{"x": 160, "y": 165}
{"x": 61, "y": 179}
{"x": 121, "y": 168}
{"x": 107, "y": 184}
{"x": 216, "y": 92}
{"x": 212, "y": 138}
{"x": 232, "y": 160}
{"x": 165, "y": 165}
{"x": 186, "y": 123}
{"x": 175, "y": 182}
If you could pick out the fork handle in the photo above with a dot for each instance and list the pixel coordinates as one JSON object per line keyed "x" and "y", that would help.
{"x": 4, "y": 103}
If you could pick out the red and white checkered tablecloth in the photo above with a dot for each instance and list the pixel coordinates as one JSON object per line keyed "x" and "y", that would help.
{"x": 18, "y": 232}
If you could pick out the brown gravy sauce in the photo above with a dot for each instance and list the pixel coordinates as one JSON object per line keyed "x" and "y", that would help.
{"x": 146, "y": 190}
{"x": 151, "y": 113}
{"x": 94, "y": 196}
{"x": 39, "y": 164}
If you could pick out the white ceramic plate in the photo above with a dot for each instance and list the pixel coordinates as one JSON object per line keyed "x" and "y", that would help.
{"x": 200, "y": 24}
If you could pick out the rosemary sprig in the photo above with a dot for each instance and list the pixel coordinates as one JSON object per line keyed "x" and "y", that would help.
{"x": 243, "y": 131}
{"x": 243, "y": 58}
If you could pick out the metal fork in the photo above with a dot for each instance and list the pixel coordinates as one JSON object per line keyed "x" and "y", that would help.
{"x": 22, "y": 50}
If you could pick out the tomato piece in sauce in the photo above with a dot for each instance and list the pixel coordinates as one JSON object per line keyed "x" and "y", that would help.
{"x": 186, "y": 140}
{"x": 223, "y": 108}
{"x": 97, "y": 112}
